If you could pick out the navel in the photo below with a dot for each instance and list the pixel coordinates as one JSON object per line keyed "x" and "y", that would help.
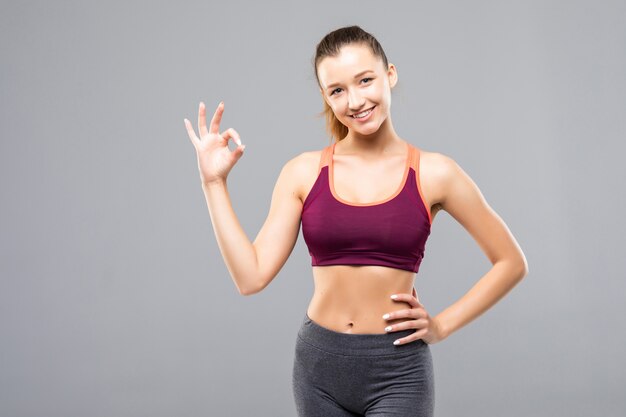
{"x": 350, "y": 325}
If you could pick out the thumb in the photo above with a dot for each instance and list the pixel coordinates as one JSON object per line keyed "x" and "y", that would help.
{"x": 415, "y": 295}
{"x": 238, "y": 151}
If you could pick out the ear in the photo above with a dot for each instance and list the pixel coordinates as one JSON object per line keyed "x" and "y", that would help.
{"x": 392, "y": 73}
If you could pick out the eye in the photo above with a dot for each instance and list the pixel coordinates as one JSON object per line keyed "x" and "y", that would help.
{"x": 333, "y": 92}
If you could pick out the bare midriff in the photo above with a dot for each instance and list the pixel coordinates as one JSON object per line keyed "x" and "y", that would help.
{"x": 353, "y": 299}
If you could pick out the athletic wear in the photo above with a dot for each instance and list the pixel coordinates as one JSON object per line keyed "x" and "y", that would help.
{"x": 346, "y": 375}
{"x": 392, "y": 232}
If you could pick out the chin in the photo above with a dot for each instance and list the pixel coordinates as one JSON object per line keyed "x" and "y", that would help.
{"x": 366, "y": 132}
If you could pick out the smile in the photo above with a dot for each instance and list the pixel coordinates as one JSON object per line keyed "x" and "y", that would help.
{"x": 363, "y": 114}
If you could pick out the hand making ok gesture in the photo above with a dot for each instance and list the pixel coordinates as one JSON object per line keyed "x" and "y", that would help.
{"x": 215, "y": 159}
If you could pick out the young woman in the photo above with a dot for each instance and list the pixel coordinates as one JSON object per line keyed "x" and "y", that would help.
{"x": 366, "y": 203}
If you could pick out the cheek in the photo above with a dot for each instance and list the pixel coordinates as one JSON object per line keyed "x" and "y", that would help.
{"x": 385, "y": 100}
{"x": 338, "y": 109}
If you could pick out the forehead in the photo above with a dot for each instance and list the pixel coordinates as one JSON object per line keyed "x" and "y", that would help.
{"x": 351, "y": 60}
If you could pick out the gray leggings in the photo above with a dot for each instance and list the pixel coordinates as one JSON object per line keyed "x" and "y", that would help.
{"x": 346, "y": 374}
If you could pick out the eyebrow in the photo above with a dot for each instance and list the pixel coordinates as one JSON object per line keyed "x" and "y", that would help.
{"x": 356, "y": 76}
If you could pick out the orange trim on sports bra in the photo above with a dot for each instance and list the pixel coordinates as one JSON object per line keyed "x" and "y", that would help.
{"x": 407, "y": 164}
{"x": 324, "y": 158}
{"x": 412, "y": 161}
{"x": 416, "y": 168}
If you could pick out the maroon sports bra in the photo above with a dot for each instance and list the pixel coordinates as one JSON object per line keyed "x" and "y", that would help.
{"x": 391, "y": 232}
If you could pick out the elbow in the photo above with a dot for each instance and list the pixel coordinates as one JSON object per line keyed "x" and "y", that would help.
{"x": 522, "y": 267}
{"x": 250, "y": 290}
{"x": 517, "y": 268}
{"x": 247, "y": 291}
{"x": 254, "y": 282}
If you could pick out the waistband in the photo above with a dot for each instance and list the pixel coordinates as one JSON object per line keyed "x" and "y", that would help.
{"x": 356, "y": 344}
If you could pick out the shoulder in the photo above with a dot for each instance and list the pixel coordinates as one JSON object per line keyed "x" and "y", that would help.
{"x": 437, "y": 164}
{"x": 438, "y": 173}
{"x": 302, "y": 163}
{"x": 301, "y": 171}
{"x": 454, "y": 184}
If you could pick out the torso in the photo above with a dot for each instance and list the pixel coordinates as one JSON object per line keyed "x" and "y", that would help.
{"x": 338, "y": 304}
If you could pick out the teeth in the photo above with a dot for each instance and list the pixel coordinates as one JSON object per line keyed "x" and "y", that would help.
{"x": 363, "y": 114}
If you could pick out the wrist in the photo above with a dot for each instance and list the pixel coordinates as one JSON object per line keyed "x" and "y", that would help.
{"x": 208, "y": 185}
{"x": 442, "y": 329}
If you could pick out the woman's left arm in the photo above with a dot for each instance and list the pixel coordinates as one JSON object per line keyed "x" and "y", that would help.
{"x": 463, "y": 200}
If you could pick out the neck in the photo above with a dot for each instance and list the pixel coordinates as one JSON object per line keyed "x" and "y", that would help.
{"x": 384, "y": 140}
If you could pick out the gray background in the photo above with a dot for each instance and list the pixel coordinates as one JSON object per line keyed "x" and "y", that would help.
{"x": 114, "y": 298}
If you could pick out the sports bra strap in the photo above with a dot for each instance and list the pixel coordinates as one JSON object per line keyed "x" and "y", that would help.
{"x": 325, "y": 157}
{"x": 415, "y": 160}
{"x": 414, "y": 157}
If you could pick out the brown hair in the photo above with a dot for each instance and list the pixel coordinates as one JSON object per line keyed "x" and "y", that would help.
{"x": 330, "y": 46}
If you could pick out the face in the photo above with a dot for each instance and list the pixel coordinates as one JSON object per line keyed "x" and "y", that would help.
{"x": 355, "y": 81}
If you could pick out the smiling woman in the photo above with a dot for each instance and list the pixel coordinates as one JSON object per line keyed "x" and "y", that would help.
{"x": 350, "y": 73}
{"x": 366, "y": 204}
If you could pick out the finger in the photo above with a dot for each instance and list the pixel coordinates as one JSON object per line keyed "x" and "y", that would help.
{"x": 407, "y": 298}
{"x": 412, "y": 313}
{"x": 202, "y": 130}
{"x": 408, "y": 324}
{"x": 410, "y": 338}
{"x": 232, "y": 133}
{"x": 237, "y": 153}
{"x": 191, "y": 133}
{"x": 215, "y": 120}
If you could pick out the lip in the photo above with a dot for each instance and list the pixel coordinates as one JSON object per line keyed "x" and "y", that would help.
{"x": 366, "y": 118}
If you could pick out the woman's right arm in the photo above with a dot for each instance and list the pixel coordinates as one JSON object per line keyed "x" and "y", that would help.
{"x": 252, "y": 265}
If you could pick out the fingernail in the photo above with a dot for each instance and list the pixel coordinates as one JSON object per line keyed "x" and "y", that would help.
{"x": 388, "y": 328}
{"x": 397, "y": 342}
{"x": 394, "y": 296}
{"x": 386, "y": 316}
{"x": 243, "y": 147}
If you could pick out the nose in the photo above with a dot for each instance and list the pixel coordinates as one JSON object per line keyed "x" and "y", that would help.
{"x": 355, "y": 101}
